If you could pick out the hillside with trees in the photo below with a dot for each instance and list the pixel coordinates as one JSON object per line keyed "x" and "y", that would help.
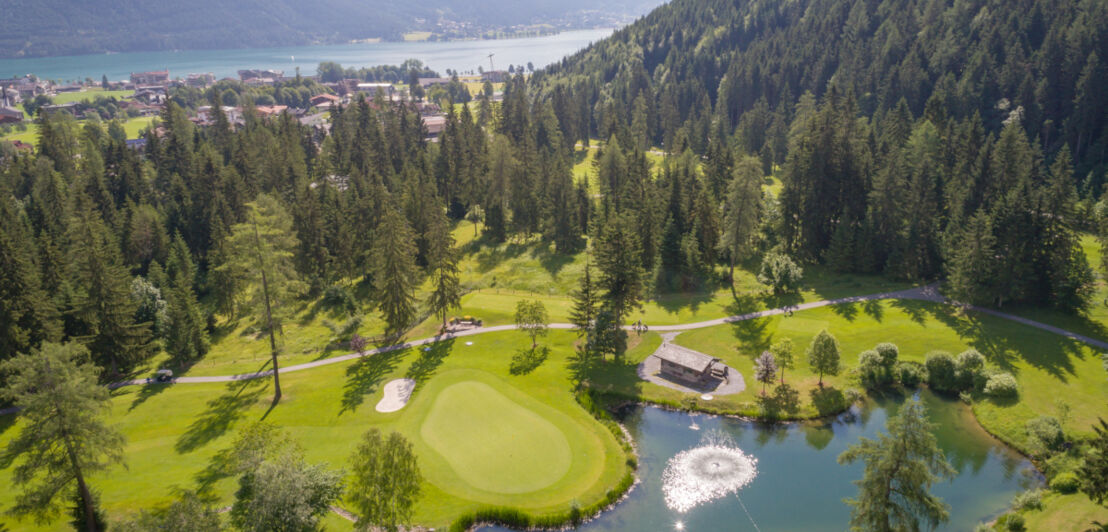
{"x": 920, "y": 139}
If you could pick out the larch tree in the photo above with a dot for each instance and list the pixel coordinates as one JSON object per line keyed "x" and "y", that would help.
{"x": 260, "y": 256}
{"x": 394, "y": 271}
{"x": 385, "y": 481}
{"x": 741, "y": 212}
{"x": 63, "y": 437}
{"x": 823, "y": 355}
{"x": 900, "y": 467}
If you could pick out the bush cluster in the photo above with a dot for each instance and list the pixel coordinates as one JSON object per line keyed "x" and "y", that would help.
{"x": 1065, "y": 482}
{"x": 1028, "y": 500}
{"x": 878, "y": 366}
{"x": 950, "y": 374}
{"x": 1045, "y": 434}
{"x": 1001, "y": 384}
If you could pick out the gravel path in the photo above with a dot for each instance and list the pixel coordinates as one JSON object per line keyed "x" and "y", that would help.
{"x": 923, "y": 293}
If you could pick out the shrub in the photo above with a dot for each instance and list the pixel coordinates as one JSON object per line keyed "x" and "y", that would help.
{"x": 1065, "y": 482}
{"x": 1045, "y": 433}
{"x": 780, "y": 272}
{"x": 889, "y": 354}
{"x": 1001, "y": 385}
{"x": 969, "y": 369}
{"x": 872, "y": 370}
{"x": 1015, "y": 523}
{"x": 941, "y": 372}
{"x": 1028, "y": 500}
{"x": 910, "y": 374}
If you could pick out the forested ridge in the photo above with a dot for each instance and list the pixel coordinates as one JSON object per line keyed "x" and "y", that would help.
{"x": 129, "y": 252}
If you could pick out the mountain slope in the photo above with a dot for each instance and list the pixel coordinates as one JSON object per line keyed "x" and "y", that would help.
{"x": 741, "y": 62}
{"x": 58, "y": 27}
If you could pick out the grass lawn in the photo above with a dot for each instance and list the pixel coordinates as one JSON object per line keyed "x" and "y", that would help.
{"x": 1046, "y": 365}
{"x": 556, "y": 453}
{"x": 417, "y": 36}
{"x": 89, "y": 95}
{"x": 1065, "y": 512}
{"x": 133, "y": 126}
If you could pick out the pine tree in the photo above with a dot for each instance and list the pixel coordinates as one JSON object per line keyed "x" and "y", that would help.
{"x": 972, "y": 263}
{"x": 186, "y": 336}
{"x": 394, "y": 271}
{"x": 618, "y": 259}
{"x": 900, "y": 468}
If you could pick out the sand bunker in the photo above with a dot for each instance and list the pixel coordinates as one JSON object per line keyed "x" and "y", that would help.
{"x": 396, "y": 396}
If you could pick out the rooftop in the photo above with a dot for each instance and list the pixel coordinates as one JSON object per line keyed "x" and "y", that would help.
{"x": 685, "y": 357}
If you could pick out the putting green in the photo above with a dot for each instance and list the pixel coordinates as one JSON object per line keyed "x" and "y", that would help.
{"x": 492, "y": 442}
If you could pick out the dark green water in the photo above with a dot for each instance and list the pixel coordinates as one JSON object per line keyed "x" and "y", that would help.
{"x": 799, "y": 485}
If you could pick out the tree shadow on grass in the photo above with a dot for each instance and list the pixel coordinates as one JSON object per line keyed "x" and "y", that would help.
{"x": 913, "y": 309}
{"x": 752, "y": 333}
{"x": 847, "y": 311}
{"x": 363, "y": 377}
{"x": 146, "y": 391}
{"x": 6, "y": 422}
{"x": 1004, "y": 342}
{"x": 527, "y": 360}
{"x": 827, "y": 400}
{"x": 549, "y": 260}
{"x": 430, "y": 358}
{"x": 222, "y": 413}
{"x": 875, "y": 309}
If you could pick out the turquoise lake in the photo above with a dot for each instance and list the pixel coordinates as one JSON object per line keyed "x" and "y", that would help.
{"x": 799, "y": 486}
{"x": 456, "y": 55}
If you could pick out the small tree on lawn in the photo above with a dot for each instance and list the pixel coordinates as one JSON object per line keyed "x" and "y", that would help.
{"x": 823, "y": 355}
{"x": 475, "y": 215}
{"x": 285, "y": 493}
{"x": 893, "y": 494}
{"x": 531, "y": 318}
{"x": 765, "y": 369}
{"x": 386, "y": 481}
{"x": 783, "y": 353}
{"x": 63, "y": 437}
{"x": 780, "y": 272}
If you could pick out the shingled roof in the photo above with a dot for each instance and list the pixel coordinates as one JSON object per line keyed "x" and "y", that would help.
{"x": 685, "y": 357}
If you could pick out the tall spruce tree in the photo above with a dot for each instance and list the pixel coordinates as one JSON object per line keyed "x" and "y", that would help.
{"x": 394, "y": 271}
{"x": 102, "y": 309}
{"x": 442, "y": 256}
{"x": 742, "y": 212}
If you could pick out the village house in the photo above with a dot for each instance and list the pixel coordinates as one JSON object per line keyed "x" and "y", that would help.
{"x": 434, "y": 126}
{"x": 200, "y": 81}
{"x": 372, "y": 88}
{"x": 9, "y": 115}
{"x": 325, "y": 101}
{"x": 270, "y": 110}
{"x": 431, "y": 82}
{"x": 684, "y": 364}
{"x": 495, "y": 76}
{"x": 68, "y": 107}
{"x": 156, "y": 77}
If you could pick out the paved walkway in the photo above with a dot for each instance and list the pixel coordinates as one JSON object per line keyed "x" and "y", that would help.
{"x": 922, "y": 293}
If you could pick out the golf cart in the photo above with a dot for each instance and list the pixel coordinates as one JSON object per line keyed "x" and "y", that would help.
{"x": 163, "y": 375}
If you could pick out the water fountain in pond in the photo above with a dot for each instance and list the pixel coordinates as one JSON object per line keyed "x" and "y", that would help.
{"x": 715, "y": 469}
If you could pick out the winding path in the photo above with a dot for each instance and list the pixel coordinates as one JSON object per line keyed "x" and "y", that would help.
{"x": 923, "y": 293}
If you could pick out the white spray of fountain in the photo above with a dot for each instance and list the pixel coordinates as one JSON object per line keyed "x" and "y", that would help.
{"x": 715, "y": 469}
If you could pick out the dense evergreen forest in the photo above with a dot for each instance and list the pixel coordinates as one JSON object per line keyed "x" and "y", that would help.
{"x": 918, "y": 140}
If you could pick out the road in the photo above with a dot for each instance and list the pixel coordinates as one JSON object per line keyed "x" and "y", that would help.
{"x": 923, "y": 293}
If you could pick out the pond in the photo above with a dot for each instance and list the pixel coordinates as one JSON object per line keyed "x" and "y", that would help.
{"x": 797, "y": 483}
